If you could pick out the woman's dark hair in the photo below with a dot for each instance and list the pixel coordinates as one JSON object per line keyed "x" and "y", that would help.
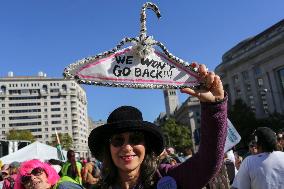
{"x": 72, "y": 170}
{"x": 148, "y": 168}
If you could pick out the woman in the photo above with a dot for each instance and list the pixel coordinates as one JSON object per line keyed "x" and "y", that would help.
{"x": 129, "y": 147}
{"x": 71, "y": 168}
{"x": 34, "y": 174}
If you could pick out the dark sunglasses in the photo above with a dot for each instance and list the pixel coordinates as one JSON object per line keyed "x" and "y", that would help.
{"x": 135, "y": 138}
{"x": 36, "y": 172}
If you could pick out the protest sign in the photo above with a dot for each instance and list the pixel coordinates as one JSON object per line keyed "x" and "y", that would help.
{"x": 233, "y": 137}
{"x": 140, "y": 65}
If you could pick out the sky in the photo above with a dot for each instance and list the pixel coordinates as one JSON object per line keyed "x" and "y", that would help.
{"x": 48, "y": 35}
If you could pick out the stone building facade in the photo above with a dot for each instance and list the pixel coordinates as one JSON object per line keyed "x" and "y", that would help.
{"x": 42, "y": 105}
{"x": 253, "y": 71}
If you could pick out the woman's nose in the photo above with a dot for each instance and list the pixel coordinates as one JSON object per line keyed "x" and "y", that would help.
{"x": 127, "y": 147}
{"x": 32, "y": 177}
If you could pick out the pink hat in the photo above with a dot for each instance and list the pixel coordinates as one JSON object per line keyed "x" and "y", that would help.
{"x": 27, "y": 166}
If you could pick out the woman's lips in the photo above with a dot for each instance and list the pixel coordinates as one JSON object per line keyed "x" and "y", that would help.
{"x": 127, "y": 158}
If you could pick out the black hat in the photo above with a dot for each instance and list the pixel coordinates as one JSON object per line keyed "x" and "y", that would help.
{"x": 124, "y": 119}
{"x": 265, "y": 137}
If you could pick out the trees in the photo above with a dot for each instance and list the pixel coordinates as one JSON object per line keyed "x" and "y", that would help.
{"x": 20, "y": 135}
{"x": 275, "y": 121}
{"x": 176, "y": 135}
{"x": 65, "y": 141}
{"x": 243, "y": 119}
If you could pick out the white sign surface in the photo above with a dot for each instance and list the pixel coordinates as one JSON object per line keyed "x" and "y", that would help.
{"x": 126, "y": 68}
{"x": 233, "y": 137}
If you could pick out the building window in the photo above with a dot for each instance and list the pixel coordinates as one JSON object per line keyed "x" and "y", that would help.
{"x": 3, "y": 132}
{"x": 248, "y": 87}
{"x": 55, "y": 109}
{"x": 281, "y": 77}
{"x": 235, "y": 78}
{"x": 257, "y": 70}
{"x": 56, "y": 122}
{"x": 54, "y": 103}
{"x": 260, "y": 82}
{"x": 46, "y": 129}
{"x": 238, "y": 91}
{"x": 3, "y": 125}
{"x": 245, "y": 75}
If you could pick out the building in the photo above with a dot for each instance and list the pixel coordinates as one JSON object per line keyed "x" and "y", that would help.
{"x": 253, "y": 71}
{"x": 171, "y": 101}
{"x": 188, "y": 114}
{"x": 42, "y": 105}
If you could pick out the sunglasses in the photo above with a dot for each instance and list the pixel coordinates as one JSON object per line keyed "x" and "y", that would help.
{"x": 135, "y": 138}
{"x": 36, "y": 172}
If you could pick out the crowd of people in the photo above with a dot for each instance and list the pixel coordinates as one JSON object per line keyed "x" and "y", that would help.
{"x": 130, "y": 153}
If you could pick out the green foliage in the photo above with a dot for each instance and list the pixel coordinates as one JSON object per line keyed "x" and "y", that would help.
{"x": 243, "y": 119}
{"x": 20, "y": 135}
{"x": 275, "y": 121}
{"x": 66, "y": 141}
{"x": 176, "y": 135}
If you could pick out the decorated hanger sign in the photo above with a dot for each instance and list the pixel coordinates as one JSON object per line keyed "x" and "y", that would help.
{"x": 145, "y": 63}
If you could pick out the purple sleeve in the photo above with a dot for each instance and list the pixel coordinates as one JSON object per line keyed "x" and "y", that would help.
{"x": 196, "y": 172}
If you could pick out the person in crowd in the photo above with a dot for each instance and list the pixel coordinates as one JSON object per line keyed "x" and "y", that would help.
{"x": 188, "y": 152}
{"x": 252, "y": 149}
{"x": 34, "y": 174}
{"x": 226, "y": 174}
{"x": 4, "y": 171}
{"x": 129, "y": 146}
{"x": 72, "y": 169}
{"x": 91, "y": 174}
{"x": 280, "y": 141}
{"x": 238, "y": 160}
{"x": 169, "y": 157}
{"x": 264, "y": 170}
{"x": 9, "y": 181}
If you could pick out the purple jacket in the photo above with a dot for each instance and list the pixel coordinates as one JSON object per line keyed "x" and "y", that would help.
{"x": 196, "y": 172}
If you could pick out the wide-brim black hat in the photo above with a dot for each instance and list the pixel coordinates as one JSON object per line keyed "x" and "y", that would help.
{"x": 125, "y": 119}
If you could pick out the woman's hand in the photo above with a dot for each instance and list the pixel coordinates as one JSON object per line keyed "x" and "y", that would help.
{"x": 213, "y": 88}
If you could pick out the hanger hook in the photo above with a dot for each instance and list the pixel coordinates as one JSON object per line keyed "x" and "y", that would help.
{"x": 147, "y": 5}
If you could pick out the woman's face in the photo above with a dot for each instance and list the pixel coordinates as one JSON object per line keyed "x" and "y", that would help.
{"x": 36, "y": 180}
{"x": 127, "y": 151}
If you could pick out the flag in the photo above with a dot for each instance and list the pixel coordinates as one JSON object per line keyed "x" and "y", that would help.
{"x": 60, "y": 154}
